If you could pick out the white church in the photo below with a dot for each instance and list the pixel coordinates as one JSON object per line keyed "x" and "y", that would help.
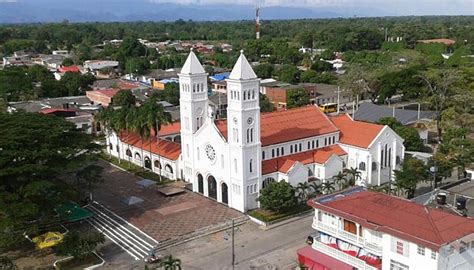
{"x": 231, "y": 160}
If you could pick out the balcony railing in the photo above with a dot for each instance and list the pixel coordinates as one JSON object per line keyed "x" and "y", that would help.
{"x": 341, "y": 256}
{"x": 347, "y": 236}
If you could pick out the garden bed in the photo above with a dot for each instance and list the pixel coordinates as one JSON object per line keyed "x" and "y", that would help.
{"x": 136, "y": 170}
{"x": 270, "y": 217}
{"x": 79, "y": 264}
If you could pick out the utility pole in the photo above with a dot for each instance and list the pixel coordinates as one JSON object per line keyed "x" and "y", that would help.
{"x": 233, "y": 251}
{"x": 338, "y": 94}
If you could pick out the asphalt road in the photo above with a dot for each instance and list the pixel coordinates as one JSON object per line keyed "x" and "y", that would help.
{"x": 254, "y": 248}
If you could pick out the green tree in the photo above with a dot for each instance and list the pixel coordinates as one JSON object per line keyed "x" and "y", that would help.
{"x": 171, "y": 263}
{"x": 35, "y": 151}
{"x": 303, "y": 190}
{"x": 137, "y": 66}
{"x": 68, "y": 62}
{"x": 308, "y": 76}
{"x": 77, "y": 84}
{"x": 88, "y": 177}
{"x": 124, "y": 98}
{"x": 412, "y": 172}
{"x": 328, "y": 187}
{"x": 296, "y": 97}
{"x": 264, "y": 70}
{"x": 316, "y": 189}
{"x": 354, "y": 175}
{"x": 289, "y": 74}
{"x": 265, "y": 104}
{"x": 321, "y": 66}
{"x": 340, "y": 179}
{"x": 79, "y": 244}
{"x": 277, "y": 197}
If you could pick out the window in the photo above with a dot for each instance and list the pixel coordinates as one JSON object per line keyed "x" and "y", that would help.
{"x": 168, "y": 168}
{"x": 333, "y": 139}
{"x": 111, "y": 147}
{"x": 374, "y": 166}
{"x": 309, "y": 145}
{"x": 390, "y": 157}
{"x": 301, "y": 147}
{"x": 325, "y": 141}
{"x": 263, "y": 154}
{"x": 399, "y": 247}
{"x": 244, "y": 96}
{"x": 362, "y": 166}
{"x": 394, "y": 265}
{"x": 283, "y": 151}
{"x": 317, "y": 143}
{"x": 291, "y": 149}
{"x": 273, "y": 153}
{"x": 312, "y": 144}
{"x": 433, "y": 255}
{"x": 278, "y": 152}
{"x": 250, "y": 165}
{"x": 251, "y": 135}
{"x": 421, "y": 250}
{"x": 267, "y": 181}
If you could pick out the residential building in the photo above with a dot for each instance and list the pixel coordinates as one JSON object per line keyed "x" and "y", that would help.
{"x": 101, "y": 68}
{"x": 278, "y": 94}
{"x": 231, "y": 160}
{"x": 103, "y": 97}
{"x": 362, "y": 229}
{"x": 218, "y": 103}
{"x": 83, "y": 120}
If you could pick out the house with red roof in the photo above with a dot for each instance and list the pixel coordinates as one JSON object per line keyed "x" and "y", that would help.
{"x": 102, "y": 96}
{"x": 230, "y": 160}
{"x": 361, "y": 229}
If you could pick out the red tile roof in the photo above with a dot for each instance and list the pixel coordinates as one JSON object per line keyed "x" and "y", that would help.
{"x": 171, "y": 128}
{"x": 284, "y": 126}
{"x": 283, "y": 164}
{"x": 398, "y": 217}
{"x": 54, "y": 110}
{"x": 68, "y": 69}
{"x": 356, "y": 133}
{"x": 445, "y": 41}
{"x": 164, "y": 148}
{"x": 106, "y": 92}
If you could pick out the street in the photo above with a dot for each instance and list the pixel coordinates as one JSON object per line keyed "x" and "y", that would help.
{"x": 254, "y": 248}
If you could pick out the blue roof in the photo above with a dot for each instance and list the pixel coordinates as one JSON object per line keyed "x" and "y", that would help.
{"x": 220, "y": 76}
{"x": 172, "y": 80}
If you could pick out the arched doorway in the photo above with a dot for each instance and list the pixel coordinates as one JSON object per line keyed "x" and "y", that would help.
{"x": 212, "y": 187}
{"x": 147, "y": 163}
{"x": 200, "y": 184}
{"x": 225, "y": 196}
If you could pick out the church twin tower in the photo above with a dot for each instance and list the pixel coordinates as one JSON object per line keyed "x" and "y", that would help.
{"x": 222, "y": 160}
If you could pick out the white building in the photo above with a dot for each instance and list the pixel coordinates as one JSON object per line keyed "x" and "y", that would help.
{"x": 360, "y": 229}
{"x": 230, "y": 160}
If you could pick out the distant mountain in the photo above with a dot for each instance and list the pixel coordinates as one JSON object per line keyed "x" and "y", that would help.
{"x": 28, "y": 11}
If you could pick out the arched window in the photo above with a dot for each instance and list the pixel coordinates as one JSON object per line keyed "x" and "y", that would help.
{"x": 244, "y": 95}
{"x": 251, "y": 135}
{"x": 253, "y": 94}
{"x": 374, "y": 166}
{"x": 194, "y": 88}
{"x": 168, "y": 168}
{"x": 248, "y": 135}
{"x": 197, "y": 87}
{"x": 137, "y": 156}
{"x": 157, "y": 164}
{"x": 128, "y": 153}
{"x": 250, "y": 165}
{"x": 362, "y": 166}
{"x": 111, "y": 147}
{"x": 291, "y": 149}
{"x": 202, "y": 87}
{"x": 309, "y": 144}
{"x": 273, "y": 153}
{"x": 282, "y": 151}
{"x": 267, "y": 181}
{"x": 278, "y": 152}
{"x": 263, "y": 155}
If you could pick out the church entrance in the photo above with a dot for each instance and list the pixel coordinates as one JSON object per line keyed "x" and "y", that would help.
{"x": 212, "y": 187}
{"x": 200, "y": 184}
{"x": 147, "y": 163}
{"x": 225, "y": 197}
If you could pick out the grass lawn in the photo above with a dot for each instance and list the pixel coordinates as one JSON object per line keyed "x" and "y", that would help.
{"x": 79, "y": 264}
{"x": 269, "y": 216}
{"x": 136, "y": 170}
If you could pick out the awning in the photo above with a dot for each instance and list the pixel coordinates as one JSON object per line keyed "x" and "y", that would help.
{"x": 316, "y": 260}
{"x": 72, "y": 212}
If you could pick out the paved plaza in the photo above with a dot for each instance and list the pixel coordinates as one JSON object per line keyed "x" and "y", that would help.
{"x": 161, "y": 217}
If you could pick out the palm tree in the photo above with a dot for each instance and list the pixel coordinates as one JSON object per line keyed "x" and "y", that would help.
{"x": 328, "y": 187}
{"x": 104, "y": 117}
{"x": 171, "y": 263}
{"x": 354, "y": 175}
{"x": 155, "y": 117}
{"x": 119, "y": 123}
{"x": 129, "y": 121}
{"x": 340, "y": 179}
{"x": 303, "y": 191}
{"x": 138, "y": 125}
{"x": 316, "y": 188}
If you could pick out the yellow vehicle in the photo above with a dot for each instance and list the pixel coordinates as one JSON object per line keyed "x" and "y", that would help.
{"x": 328, "y": 107}
{"x": 49, "y": 239}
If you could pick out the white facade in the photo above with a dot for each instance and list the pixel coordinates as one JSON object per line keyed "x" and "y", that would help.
{"x": 394, "y": 253}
